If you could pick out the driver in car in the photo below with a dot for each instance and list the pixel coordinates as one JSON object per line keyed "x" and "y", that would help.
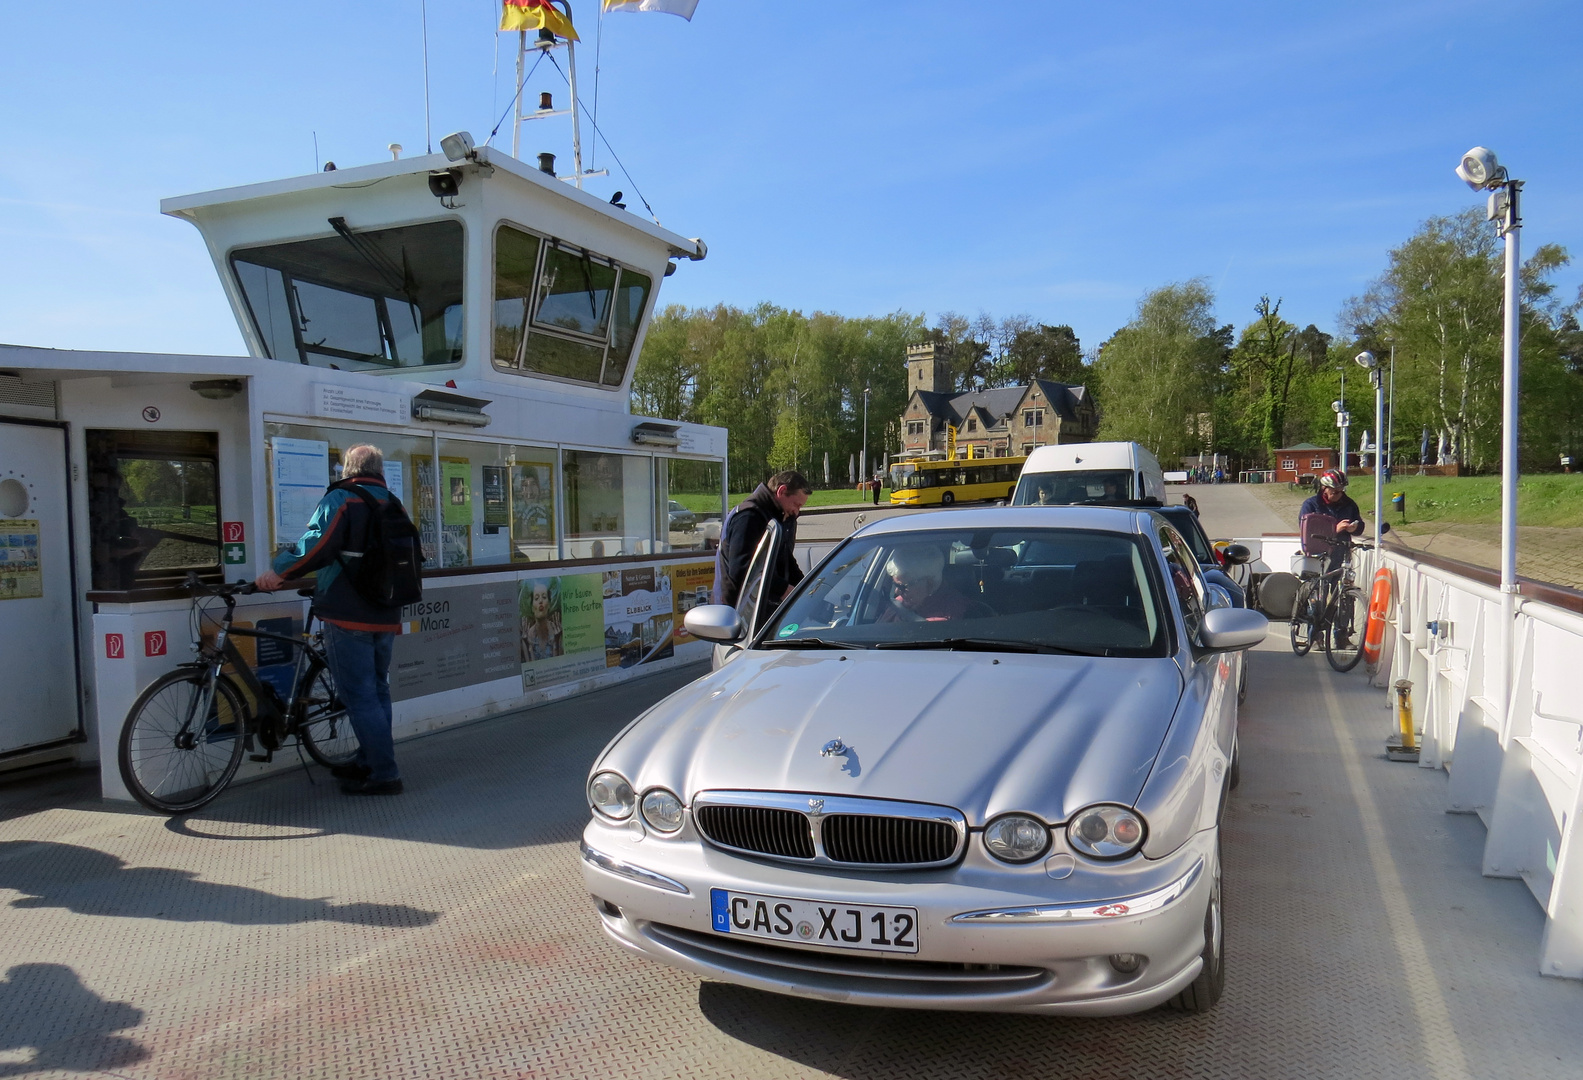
{"x": 918, "y": 593}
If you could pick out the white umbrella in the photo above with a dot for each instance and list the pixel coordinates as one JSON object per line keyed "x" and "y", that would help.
{"x": 827, "y": 468}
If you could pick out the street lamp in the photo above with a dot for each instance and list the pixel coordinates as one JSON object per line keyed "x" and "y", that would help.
{"x": 1366, "y": 360}
{"x": 863, "y": 454}
{"x": 1481, "y": 172}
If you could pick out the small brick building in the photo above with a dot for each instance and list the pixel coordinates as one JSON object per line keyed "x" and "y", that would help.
{"x": 1304, "y": 459}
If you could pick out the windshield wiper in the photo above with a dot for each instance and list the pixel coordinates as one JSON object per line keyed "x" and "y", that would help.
{"x": 810, "y": 643}
{"x": 979, "y": 644}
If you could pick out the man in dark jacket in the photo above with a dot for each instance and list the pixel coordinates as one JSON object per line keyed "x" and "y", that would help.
{"x": 780, "y": 499}
{"x": 358, "y": 635}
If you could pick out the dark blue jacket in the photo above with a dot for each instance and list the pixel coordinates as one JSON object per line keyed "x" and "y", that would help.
{"x": 339, "y": 527}
{"x": 1343, "y": 509}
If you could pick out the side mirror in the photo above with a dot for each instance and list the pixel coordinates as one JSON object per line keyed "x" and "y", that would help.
{"x": 1228, "y": 629}
{"x": 714, "y": 622}
{"x": 1385, "y": 527}
{"x": 1236, "y": 554}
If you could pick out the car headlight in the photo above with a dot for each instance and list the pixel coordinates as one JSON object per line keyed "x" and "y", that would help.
{"x": 611, "y": 795}
{"x": 1016, "y": 838}
{"x": 1105, "y": 832}
{"x": 662, "y": 810}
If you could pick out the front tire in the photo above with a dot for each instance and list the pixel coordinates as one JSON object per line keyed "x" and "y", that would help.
{"x": 1302, "y": 620}
{"x": 1345, "y": 628}
{"x": 170, "y": 760}
{"x": 1201, "y": 994}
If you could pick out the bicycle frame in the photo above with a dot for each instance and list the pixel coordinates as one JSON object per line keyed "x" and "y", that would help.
{"x": 224, "y": 651}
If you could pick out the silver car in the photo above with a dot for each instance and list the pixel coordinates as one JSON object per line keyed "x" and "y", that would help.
{"x": 976, "y": 760}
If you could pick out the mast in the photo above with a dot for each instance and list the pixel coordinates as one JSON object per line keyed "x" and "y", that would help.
{"x": 520, "y": 112}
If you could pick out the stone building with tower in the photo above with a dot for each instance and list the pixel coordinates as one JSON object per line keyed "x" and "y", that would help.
{"x": 1006, "y": 421}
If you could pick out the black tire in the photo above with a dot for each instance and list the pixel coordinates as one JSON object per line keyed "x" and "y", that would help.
{"x": 1242, "y": 681}
{"x": 322, "y": 723}
{"x": 165, "y": 764}
{"x": 1234, "y": 774}
{"x": 1302, "y": 620}
{"x": 1344, "y": 629}
{"x": 1201, "y": 994}
{"x": 947, "y": 499}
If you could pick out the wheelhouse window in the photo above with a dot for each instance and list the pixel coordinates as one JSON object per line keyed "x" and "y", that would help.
{"x": 564, "y": 311}
{"x": 372, "y": 300}
{"x": 153, "y": 507}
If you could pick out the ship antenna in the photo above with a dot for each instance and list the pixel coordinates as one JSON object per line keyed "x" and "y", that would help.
{"x": 428, "y": 137}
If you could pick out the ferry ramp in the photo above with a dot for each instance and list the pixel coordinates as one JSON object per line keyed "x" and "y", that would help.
{"x": 288, "y": 931}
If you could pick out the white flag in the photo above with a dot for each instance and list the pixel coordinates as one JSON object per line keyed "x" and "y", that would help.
{"x": 684, "y": 8}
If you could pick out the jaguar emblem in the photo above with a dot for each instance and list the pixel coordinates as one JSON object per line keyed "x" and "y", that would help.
{"x": 816, "y": 806}
{"x": 833, "y": 748}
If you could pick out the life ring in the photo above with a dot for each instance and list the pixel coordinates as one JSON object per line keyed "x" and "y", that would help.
{"x": 1379, "y": 608}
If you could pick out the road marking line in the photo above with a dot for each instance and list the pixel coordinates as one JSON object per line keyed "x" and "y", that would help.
{"x": 1442, "y": 1049}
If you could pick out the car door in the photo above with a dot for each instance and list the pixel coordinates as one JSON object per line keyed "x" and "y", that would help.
{"x": 754, "y": 604}
{"x": 1212, "y": 676}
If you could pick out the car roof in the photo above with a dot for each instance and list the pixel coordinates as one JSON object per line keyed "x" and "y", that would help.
{"x": 1092, "y": 518}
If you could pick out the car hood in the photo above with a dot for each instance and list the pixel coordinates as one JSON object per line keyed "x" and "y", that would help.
{"x": 985, "y": 734}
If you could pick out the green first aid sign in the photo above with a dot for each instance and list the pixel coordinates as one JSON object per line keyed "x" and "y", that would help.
{"x": 235, "y": 554}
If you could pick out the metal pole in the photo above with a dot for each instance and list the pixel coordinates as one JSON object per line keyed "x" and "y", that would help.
{"x": 1390, "y": 413}
{"x": 1512, "y": 226}
{"x": 863, "y": 457}
{"x": 577, "y": 131}
{"x": 1377, "y": 376}
{"x": 1344, "y": 419}
{"x": 516, "y": 108}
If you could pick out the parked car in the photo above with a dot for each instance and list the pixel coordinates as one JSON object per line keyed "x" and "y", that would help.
{"x": 1089, "y": 472}
{"x": 682, "y": 519}
{"x": 974, "y": 761}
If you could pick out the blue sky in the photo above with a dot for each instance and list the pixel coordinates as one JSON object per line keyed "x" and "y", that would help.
{"x": 1033, "y": 157}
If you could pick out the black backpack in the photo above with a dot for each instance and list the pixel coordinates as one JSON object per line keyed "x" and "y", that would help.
{"x": 390, "y": 572}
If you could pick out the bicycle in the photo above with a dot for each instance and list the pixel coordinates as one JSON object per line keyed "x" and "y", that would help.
{"x": 184, "y": 737}
{"x": 1332, "y": 609}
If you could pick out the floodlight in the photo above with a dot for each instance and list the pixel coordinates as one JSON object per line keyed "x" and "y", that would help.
{"x": 1335, "y": 406}
{"x": 1479, "y": 169}
{"x": 1365, "y": 359}
{"x": 458, "y": 145}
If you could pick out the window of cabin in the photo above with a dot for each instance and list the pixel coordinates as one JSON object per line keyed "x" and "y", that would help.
{"x": 153, "y": 507}
{"x": 1289, "y": 463}
{"x": 564, "y": 311}
{"x": 1316, "y": 463}
{"x": 357, "y": 300}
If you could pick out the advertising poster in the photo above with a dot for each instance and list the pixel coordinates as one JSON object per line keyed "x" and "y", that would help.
{"x": 691, "y": 585}
{"x": 562, "y": 629}
{"x": 453, "y": 544}
{"x": 532, "y": 496}
{"x": 456, "y": 496}
{"x": 639, "y": 615}
{"x": 496, "y": 513}
{"x": 21, "y": 577}
{"x": 456, "y": 637}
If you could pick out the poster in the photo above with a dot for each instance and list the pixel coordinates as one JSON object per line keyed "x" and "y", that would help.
{"x": 456, "y": 637}
{"x": 691, "y": 584}
{"x": 561, "y": 635}
{"x": 453, "y": 544}
{"x": 396, "y": 480}
{"x": 496, "y": 512}
{"x": 301, "y": 469}
{"x": 457, "y": 495}
{"x": 531, "y": 494}
{"x": 21, "y": 576}
{"x": 639, "y": 616}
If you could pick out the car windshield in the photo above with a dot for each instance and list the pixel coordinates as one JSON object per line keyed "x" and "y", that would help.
{"x": 1006, "y": 590}
{"x": 1064, "y": 488}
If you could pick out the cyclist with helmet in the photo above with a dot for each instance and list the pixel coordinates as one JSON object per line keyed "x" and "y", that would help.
{"x": 1334, "y": 503}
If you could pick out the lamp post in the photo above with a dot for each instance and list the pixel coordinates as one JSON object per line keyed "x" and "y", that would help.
{"x": 863, "y": 454}
{"x": 1480, "y": 171}
{"x": 1365, "y": 359}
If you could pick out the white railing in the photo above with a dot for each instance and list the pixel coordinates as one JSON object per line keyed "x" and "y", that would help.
{"x": 1517, "y": 762}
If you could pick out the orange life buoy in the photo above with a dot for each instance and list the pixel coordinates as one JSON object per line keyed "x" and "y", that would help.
{"x": 1379, "y": 606}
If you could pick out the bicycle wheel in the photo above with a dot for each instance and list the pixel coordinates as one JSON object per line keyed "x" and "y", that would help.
{"x": 1303, "y": 619}
{"x": 1349, "y": 612}
{"x": 171, "y": 759}
{"x": 322, "y": 723}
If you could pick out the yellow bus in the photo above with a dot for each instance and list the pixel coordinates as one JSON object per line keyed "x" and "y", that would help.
{"x": 928, "y": 483}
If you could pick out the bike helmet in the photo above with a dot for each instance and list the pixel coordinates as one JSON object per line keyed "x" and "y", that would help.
{"x": 1333, "y": 478}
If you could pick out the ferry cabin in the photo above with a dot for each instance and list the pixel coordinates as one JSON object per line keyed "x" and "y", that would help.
{"x": 479, "y": 321}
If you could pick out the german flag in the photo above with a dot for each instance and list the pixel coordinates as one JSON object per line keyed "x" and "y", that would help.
{"x": 536, "y": 15}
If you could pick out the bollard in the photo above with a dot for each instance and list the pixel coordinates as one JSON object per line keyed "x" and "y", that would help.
{"x": 1403, "y": 745}
{"x": 1399, "y": 503}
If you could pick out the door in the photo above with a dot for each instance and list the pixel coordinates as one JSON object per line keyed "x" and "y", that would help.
{"x": 755, "y": 604}
{"x": 38, "y": 646}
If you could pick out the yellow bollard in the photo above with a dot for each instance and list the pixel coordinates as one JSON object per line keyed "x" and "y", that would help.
{"x": 1403, "y": 746}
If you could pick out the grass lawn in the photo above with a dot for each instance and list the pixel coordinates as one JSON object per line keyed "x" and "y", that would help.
{"x": 1548, "y": 499}
{"x": 709, "y": 504}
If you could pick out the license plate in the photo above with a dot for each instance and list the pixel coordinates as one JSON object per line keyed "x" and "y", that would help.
{"x": 840, "y": 926}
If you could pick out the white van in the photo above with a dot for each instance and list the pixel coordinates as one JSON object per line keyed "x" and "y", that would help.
{"x": 1080, "y": 472}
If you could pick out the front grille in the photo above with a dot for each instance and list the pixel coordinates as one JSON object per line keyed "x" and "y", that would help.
{"x": 864, "y": 838}
{"x": 763, "y": 829}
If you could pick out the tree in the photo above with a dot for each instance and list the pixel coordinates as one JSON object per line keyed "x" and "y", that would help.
{"x": 1042, "y": 352}
{"x": 1155, "y": 375}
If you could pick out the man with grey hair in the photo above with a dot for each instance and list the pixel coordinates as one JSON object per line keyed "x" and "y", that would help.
{"x": 358, "y": 633}
{"x": 918, "y": 592}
